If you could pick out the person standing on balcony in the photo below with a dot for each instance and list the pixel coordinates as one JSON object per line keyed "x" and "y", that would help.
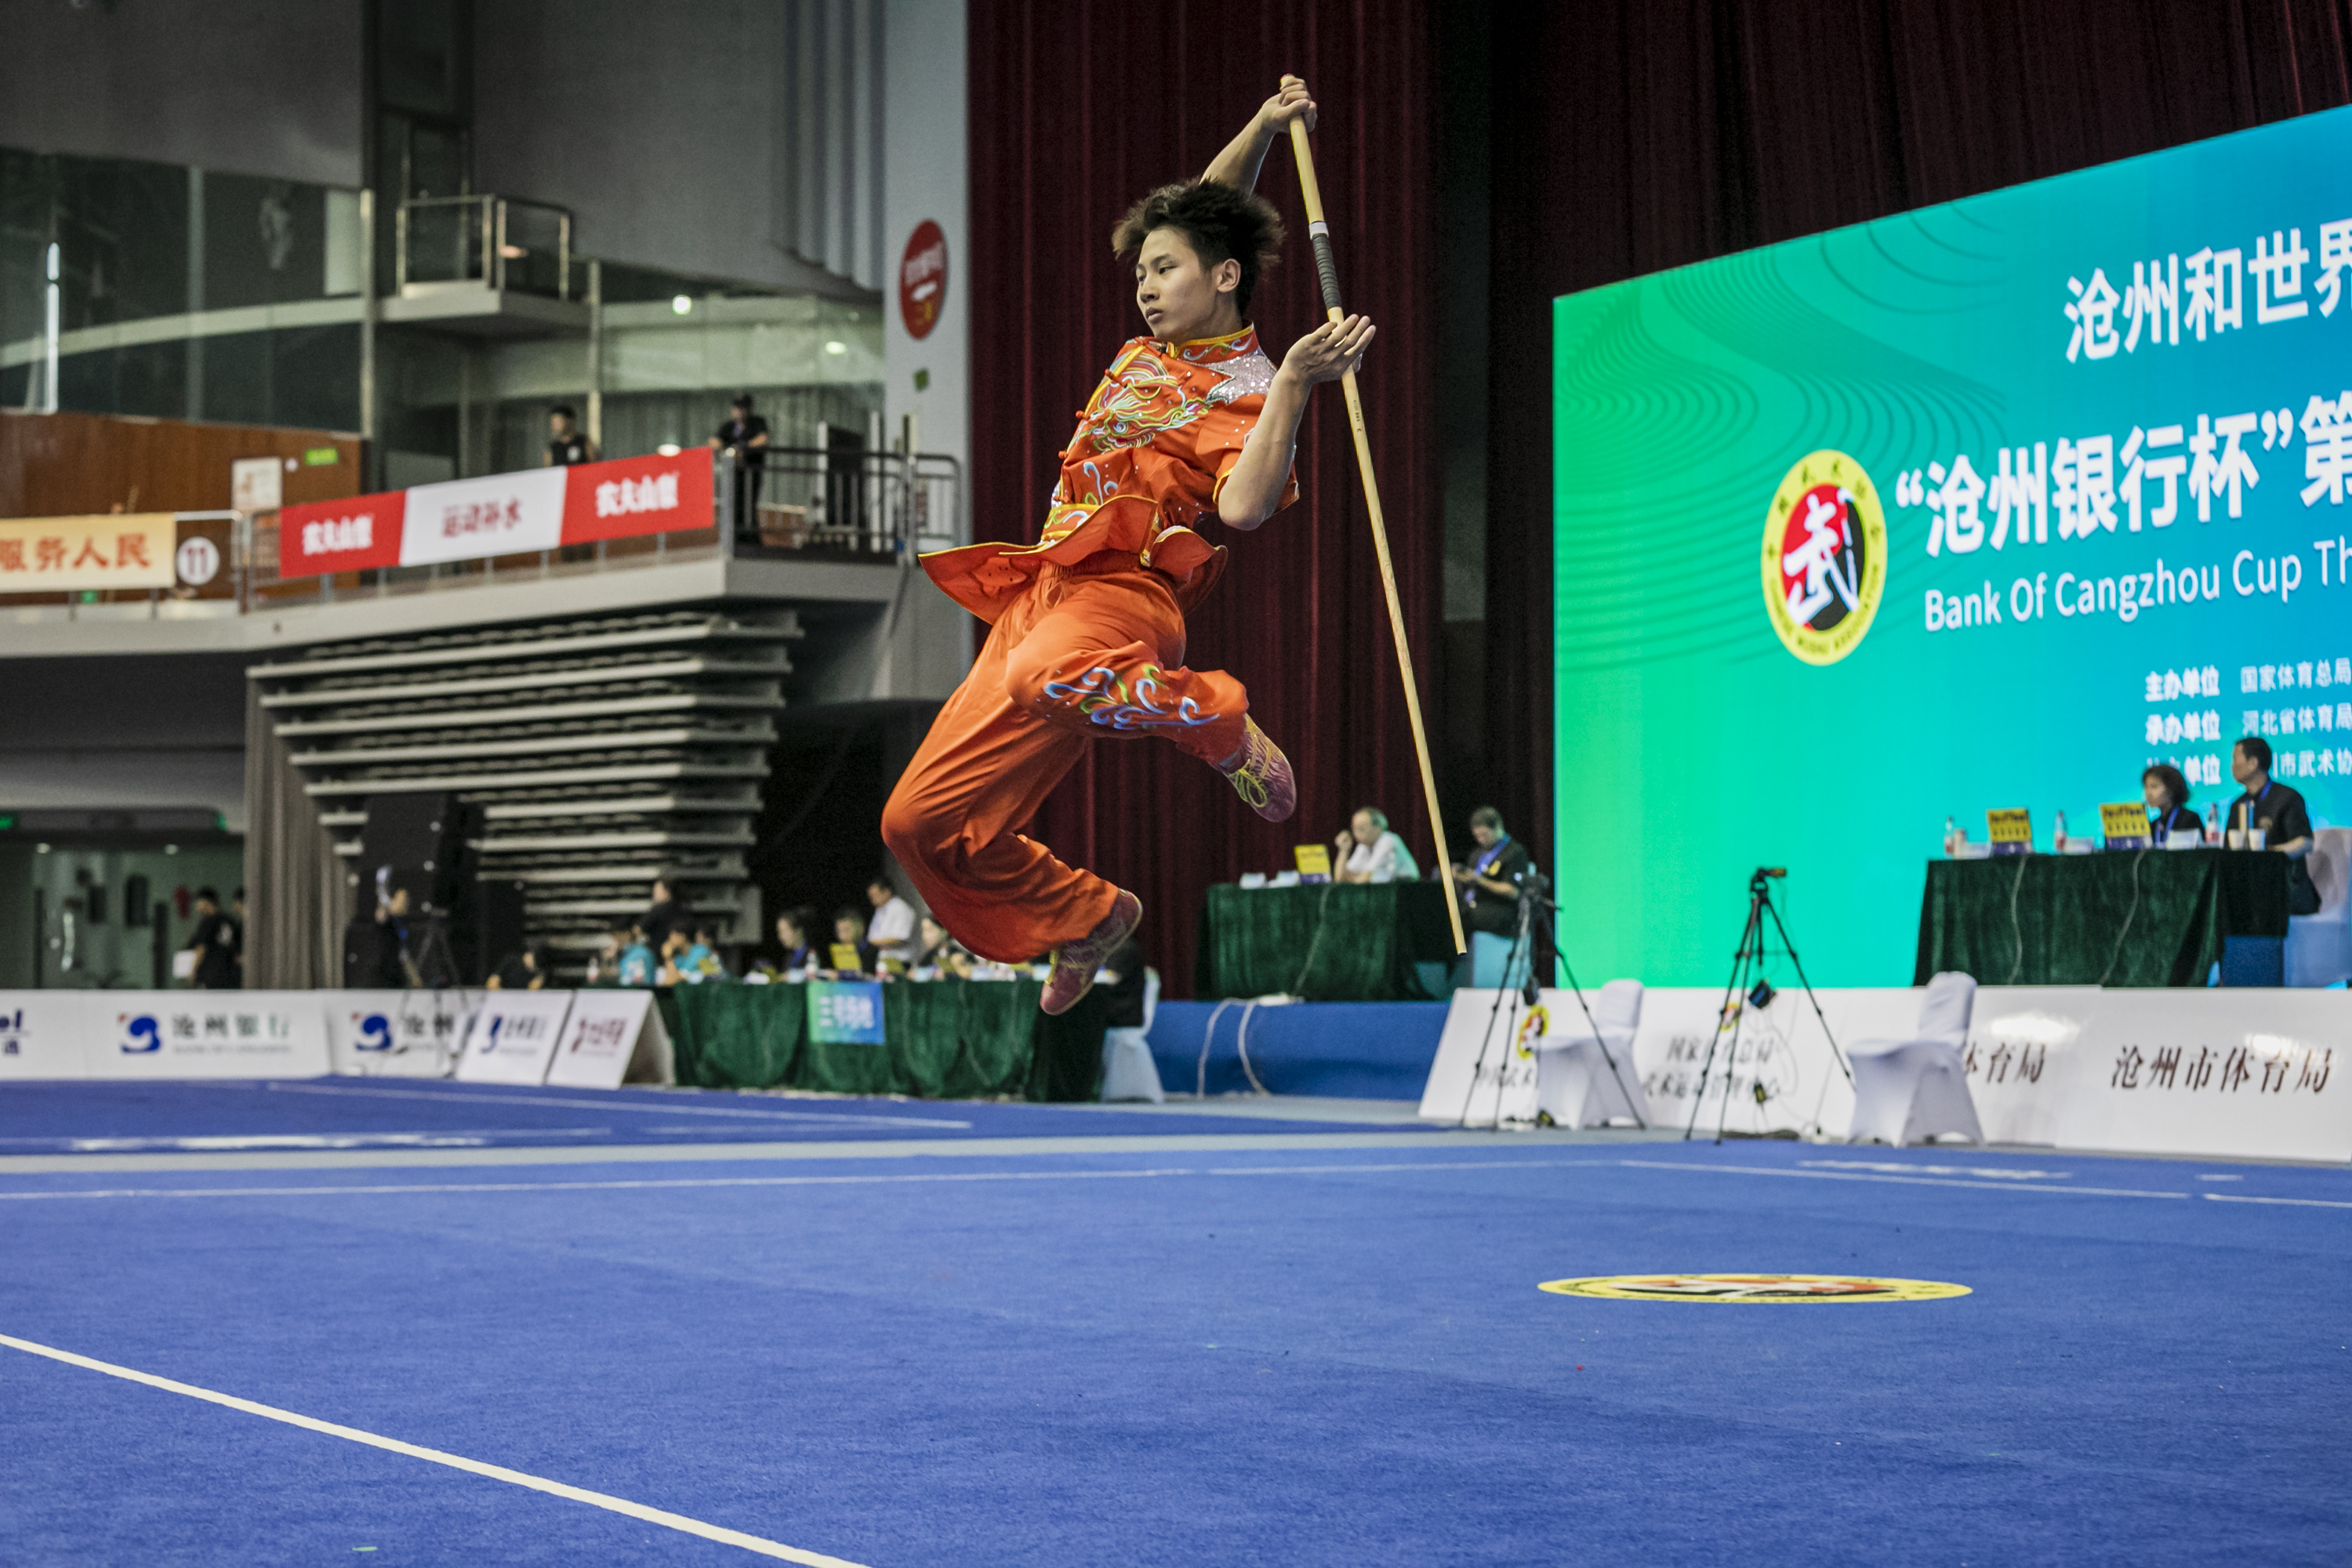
{"x": 566, "y": 443}
{"x": 1192, "y": 422}
{"x": 745, "y": 437}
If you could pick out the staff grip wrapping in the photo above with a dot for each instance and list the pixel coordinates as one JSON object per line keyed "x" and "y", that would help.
{"x": 1325, "y": 267}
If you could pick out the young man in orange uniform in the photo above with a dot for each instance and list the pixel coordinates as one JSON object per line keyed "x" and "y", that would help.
{"x": 1086, "y": 635}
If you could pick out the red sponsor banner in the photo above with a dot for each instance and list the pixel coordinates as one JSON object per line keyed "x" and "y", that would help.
{"x": 637, "y": 495}
{"x": 341, "y": 535}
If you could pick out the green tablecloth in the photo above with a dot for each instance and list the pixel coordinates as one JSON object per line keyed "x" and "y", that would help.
{"x": 2076, "y": 921}
{"x": 1334, "y": 942}
{"x": 960, "y": 1039}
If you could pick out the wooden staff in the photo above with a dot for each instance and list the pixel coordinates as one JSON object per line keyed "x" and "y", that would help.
{"x": 1320, "y": 232}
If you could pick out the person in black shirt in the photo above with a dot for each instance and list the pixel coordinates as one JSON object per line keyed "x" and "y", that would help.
{"x": 2168, "y": 810}
{"x": 1490, "y": 882}
{"x": 566, "y": 443}
{"x": 215, "y": 944}
{"x": 794, "y": 930}
{"x": 524, "y": 970}
{"x": 745, "y": 435}
{"x": 2279, "y": 812}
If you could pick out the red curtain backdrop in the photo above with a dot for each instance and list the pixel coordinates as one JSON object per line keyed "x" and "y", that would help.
{"x": 1077, "y": 108}
{"x": 1633, "y": 135}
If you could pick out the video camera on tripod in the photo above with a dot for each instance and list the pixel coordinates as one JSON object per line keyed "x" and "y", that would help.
{"x": 433, "y": 922}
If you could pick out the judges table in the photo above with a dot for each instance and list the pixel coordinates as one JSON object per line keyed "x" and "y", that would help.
{"x": 954, "y": 1039}
{"x": 2119, "y": 918}
{"x": 1329, "y": 941}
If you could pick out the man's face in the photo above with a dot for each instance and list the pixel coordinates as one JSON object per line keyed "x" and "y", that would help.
{"x": 743, "y": 412}
{"x": 2244, "y": 768}
{"x": 559, "y": 425}
{"x": 848, "y": 931}
{"x": 1364, "y": 828}
{"x": 1484, "y": 833}
{"x": 1179, "y": 296}
{"x": 206, "y": 907}
{"x": 789, "y": 935}
{"x": 878, "y": 894}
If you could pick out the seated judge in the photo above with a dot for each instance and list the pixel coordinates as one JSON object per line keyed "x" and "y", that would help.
{"x": 2274, "y": 809}
{"x": 1490, "y": 882}
{"x": 1368, "y": 852}
{"x": 2168, "y": 810}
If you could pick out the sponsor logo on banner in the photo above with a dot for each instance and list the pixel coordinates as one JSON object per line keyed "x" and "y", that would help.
{"x": 466, "y": 520}
{"x": 923, "y": 279}
{"x": 175, "y": 1035}
{"x": 48, "y": 554}
{"x": 845, "y": 1011}
{"x": 604, "y": 1034}
{"x": 1825, "y": 557}
{"x": 512, "y": 1039}
{"x": 630, "y": 496}
{"x": 1754, "y": 1288}
{"x": 348, "y": 535}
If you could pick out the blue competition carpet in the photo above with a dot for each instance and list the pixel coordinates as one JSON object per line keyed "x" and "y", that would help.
{"x": 365, "y": 1113}
{"x": 1309, "y": 1352}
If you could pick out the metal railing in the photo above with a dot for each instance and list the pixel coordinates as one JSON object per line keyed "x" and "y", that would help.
{"x": 797, "y": 504}
{"x": 494, "y": 241}
{"x": 842, "y": 501}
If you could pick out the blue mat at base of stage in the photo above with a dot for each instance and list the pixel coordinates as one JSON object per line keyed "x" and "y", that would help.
{"x": 1340, "y": 1050}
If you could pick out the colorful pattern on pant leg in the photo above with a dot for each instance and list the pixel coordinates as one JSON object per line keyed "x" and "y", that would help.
{"x": 1107, "y": 698}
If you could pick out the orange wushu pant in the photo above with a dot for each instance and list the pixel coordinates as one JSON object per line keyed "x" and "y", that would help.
{"x": 1087, "y": 641}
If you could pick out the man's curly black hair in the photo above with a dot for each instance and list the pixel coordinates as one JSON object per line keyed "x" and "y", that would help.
{"x": 1222, "y": 224}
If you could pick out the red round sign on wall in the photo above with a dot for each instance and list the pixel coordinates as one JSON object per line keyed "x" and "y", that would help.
{"x": 923, "y": 279}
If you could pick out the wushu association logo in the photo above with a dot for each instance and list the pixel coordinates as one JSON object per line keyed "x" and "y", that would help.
{"x": 1753, "y": 1289}
{"x": 1825, "y": 557}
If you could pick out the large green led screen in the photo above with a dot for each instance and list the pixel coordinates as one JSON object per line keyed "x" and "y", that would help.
{"x": 1987, "y": 505}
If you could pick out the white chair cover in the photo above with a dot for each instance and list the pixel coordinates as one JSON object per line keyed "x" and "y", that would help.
{"x": 2319, "y": 947}
{"x": 1905, "y": 1091}
{"x": 1129, "y": 1072}
{"x": 1576, "y": 1082}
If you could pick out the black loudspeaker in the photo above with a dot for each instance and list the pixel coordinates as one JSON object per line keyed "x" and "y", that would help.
{"x": 372, "y": 956}
{"x": 416, "y": 842}
{"x": 490, "y": 928}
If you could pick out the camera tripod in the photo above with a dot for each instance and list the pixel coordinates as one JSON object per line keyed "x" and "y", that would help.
{"x": 1749, "y": 962}
{"x": 1535, "y": 913}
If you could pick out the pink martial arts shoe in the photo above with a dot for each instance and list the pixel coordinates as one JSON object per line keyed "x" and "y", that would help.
{"x": 1076, "y": 963}
{"x": 1261, "y": 775}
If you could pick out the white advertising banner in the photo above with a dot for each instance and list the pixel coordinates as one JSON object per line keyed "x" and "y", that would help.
{"x": 2024, "y": 1057}
{"x": 41, "y": 1033}
{"x": 2222, "y": 1072}
{"x": 397, "y": 1034}
{"x": 2207, "y": 1072}
{"x": 204, "y": 1034}
{"x": 1485, "y": 1061}
{"x": 465, "y": 519}
{"x": 512, "y": 1038}
{"x": 612, "y": 1037}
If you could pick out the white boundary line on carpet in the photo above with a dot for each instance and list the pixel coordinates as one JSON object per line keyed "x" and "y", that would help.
{"x": 1903, "y": 1181}
{"x": 327, "y": 1187}
{"x": 755, "y": 1113}
{"x": 678, "y": 1522}
{"x": 2299, "y": 1203}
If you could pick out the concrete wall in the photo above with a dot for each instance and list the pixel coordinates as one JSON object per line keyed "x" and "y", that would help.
{"x": 122, "y": 733}
{"x": 254, "y": 87}
{"x": 659, "y": 126}
{"x": 924, "y": 177}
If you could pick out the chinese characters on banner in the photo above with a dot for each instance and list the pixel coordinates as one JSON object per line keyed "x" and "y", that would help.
{"x": 69, "y": 555}
{"x": 504, "y": 514}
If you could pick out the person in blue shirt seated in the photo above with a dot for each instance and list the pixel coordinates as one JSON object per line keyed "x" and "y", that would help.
{"x": 2168, "y": 810}
{"x": 636, "y": 960}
